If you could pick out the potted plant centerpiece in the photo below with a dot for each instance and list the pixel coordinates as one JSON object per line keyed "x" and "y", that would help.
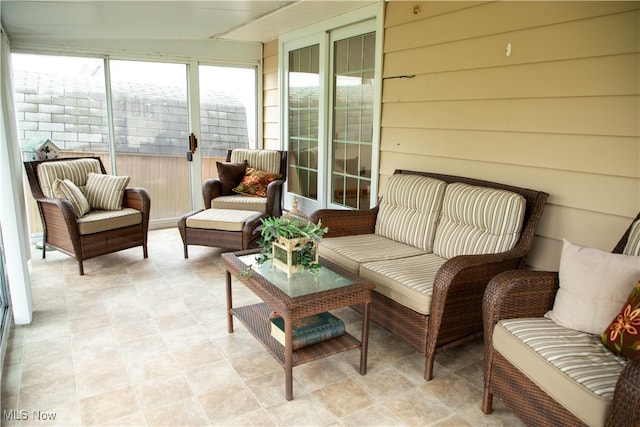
{"x": 290, "y": 243}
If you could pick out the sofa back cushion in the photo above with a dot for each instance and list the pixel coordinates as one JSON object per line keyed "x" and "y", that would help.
{"x": 633, "y": 243}
{"x": 409, "y": 210}
{"x": 76, "y": 171}
{"x": 478, "y": 220}
{"x": 265, "y": 160}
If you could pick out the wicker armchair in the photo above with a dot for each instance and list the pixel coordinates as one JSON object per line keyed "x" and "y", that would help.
{"x": 96, "y": 233}
{"x": 530, "y": 294}
{"x": 456, "y": 307}
{"x": 220, "y": 201}
{"x": 212, "y": 188}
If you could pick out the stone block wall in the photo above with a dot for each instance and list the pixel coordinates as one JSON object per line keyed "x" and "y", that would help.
{"x": 148, "y": 119}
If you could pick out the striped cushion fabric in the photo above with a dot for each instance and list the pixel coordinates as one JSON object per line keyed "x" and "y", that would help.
{"x": 240, "y": 202}
{"x": 409, "y": 210}
{"x": 351, "y": 251}
{"x": 571, "y": 366}
{"x": 266, "y": 160}
{"x": 68, "y": 190}
{"x": 106, "y": 191}
{"x": 478, "y": 220}
{"x": 408, "y": 281}
{"x": 633, "y": 243}
{"x": 76, "y": 171}
{"x": 97, "y": 221}
{"x": 221, "y": 219}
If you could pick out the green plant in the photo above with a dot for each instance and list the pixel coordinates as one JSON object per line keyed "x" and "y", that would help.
{"x": 273, "y": 228}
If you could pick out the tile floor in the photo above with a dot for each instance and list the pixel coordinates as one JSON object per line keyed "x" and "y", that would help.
{"x": 140, "y": 342}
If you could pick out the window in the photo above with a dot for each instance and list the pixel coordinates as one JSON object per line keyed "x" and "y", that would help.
{"x": 143, "y": 116}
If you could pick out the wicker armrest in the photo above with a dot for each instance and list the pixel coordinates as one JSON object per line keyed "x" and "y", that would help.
{"x": 518, "y": 293}
{"x": 137, "y": 198}
{"x": 274, "y": 197}
{"x": 346, "y": 222}
{"x": 625, "y": 406}
{"x": 58, "y": 211}
{"x": 211, "y": 189}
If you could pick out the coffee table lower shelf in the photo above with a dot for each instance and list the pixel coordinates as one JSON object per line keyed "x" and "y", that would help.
{"x": 256, "y": 319}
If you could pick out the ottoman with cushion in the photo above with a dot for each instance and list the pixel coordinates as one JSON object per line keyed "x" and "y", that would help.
{"x": 248, "y": 188}
{"x": 223, "y": 228}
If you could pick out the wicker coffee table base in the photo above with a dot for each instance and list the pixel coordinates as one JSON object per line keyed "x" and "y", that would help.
{"x": 255, "y": 317}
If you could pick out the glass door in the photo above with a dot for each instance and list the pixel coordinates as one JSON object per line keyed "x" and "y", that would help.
{"x": 151, "y": 132}
{"x": 303, "y": 104}
{"x": 151, "y": 109}
{"x": 228, "y": 108}
{"x": 330, "y": 121}
{"x": 352, "y": 126}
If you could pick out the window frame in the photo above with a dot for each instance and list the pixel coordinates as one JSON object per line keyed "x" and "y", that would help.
{"x": 320, "y": 33}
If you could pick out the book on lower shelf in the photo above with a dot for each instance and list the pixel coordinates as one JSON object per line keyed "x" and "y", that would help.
{"x": 308, "y": 330}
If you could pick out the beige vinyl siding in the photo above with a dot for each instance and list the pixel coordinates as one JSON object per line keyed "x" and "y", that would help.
{"x": 561, "y": 114}
{"x": 271, "y": 118}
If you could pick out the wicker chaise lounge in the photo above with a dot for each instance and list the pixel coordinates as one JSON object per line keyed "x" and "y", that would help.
{"x": 432, "y": 301}
{"x": 604, "y": 391}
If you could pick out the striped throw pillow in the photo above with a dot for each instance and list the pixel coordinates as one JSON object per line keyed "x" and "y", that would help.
{"x": 478, "y": 220}
{"x": 66, "y": 189}
{"x": 633, "y": 243}
{"x": 409, "y": 210}
{"x": 106, "y": 191}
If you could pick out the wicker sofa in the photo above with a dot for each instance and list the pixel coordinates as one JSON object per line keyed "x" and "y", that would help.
{"x": 431, "y": 246}
{"x": 546, "y": 373}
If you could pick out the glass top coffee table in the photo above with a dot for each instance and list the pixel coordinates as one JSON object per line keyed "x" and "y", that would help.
{"x": 304, "y": 294}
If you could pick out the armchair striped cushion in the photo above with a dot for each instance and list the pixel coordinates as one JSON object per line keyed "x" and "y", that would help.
{"x": 478, "y": 220}
{"x": 77, "y": 171}
{"x": 265, "y": 160}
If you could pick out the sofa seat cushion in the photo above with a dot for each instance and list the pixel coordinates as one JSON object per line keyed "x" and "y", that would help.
{"x": 571, "y": 366}
{"x": 240, "y": 202}
{"x": 351, "y": 251}
{"x": 408, "y": 281}
{"x": 100, "y": 220}
{"x": 221, "y": 219}
{"x": 410, "y": 209}
{"x": 77, "y": 171}
{"x": 478, "y": 220}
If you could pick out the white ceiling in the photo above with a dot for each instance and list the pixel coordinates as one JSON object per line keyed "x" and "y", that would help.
{"x": 256, "y": 21}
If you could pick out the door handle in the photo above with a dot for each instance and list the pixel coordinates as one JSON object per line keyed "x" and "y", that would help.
{"x": 193, "y": 144}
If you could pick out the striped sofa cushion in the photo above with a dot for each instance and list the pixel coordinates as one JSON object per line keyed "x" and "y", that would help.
{"x": 409, "y": 210}
{"x": 571, "y": 366}
{"x": 266, "y": 160}
{"x": 478, "y": 220}
{"x": 633, "y": 243}
{"x": 408, "y": 281}
{"x": 351, "y": 251}
{"x": 77, "y": 171}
